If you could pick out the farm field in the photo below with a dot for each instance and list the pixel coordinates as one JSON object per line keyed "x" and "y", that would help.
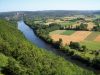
{"x": 62, "y": 32}
{"x": 97, "y": 38}
{"x": 89, "y": 38}
{"x": 75, "y": 37}
{"x": 92, "y": 36}
{"x": 57, "y": 32}
{"x": 91, "y": 45}
{"x": 68, "y": 32}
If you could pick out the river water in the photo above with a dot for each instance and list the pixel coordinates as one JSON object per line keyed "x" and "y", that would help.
{"x": 30, "y": 35}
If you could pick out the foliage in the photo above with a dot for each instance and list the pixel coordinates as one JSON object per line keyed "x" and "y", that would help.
{"x": 75, "y": 45}
{"x": 96, "y": 28}
{"x": 82, "y": 27}
{"x": 97, "y": 23}
{"x": 3, "y": 60}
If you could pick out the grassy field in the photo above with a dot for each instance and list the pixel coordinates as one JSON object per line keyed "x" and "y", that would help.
{"x": 57, "y": 32}
{"x": 68, "y": 32}
{"x": 92, "y": 45}
{"x": 62, "y": 32}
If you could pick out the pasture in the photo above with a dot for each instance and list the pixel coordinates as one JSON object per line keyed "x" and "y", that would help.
{"x": 67, "y": 32}
{"x": 91, "y": 45}
{"x": 62, "y": 32}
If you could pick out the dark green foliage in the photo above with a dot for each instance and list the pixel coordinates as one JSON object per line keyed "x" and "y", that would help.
{"x": 15, "y": 68}
{"x": 96, "y": 28}
{"x": 97, "y": 23}
{"x": 83, "y": 48}
{"x": 75, "y": 45}
{"x": 58, "y": 44}
{"x": 96, "y": 63}
{"x": 81, "y": 27}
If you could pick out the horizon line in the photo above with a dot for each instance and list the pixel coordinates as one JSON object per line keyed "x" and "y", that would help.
{"x": 47, "y": 10}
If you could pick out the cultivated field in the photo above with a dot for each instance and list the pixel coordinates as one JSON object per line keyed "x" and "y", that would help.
{"x": 92, "y": 36}
{"x": 97, "y": 38}
{"x": 77, "y": 36}
{"x": 91, "y": 45}
{"x": 62, "y": 32}
{"x": 57, "y": 32}
{"x": 89, "y": 38}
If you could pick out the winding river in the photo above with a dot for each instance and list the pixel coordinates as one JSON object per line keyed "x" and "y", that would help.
{"x": 30, "y": 35}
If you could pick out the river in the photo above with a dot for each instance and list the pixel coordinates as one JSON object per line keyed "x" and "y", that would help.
{"x": 30, "y": 35}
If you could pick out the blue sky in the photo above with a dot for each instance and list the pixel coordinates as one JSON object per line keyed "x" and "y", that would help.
{"x": 34, "y": 5}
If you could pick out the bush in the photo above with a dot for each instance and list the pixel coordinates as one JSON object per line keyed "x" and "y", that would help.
{"x": 75, "y": 45}
{"x": 96, "y": 63}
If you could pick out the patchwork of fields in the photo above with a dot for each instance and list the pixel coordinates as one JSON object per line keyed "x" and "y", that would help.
{"x": 89, "y": 38}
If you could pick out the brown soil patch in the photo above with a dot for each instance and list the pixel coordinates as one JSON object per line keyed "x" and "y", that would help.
{"x": 78, "y": 36}
{"x": 97, "y": 38}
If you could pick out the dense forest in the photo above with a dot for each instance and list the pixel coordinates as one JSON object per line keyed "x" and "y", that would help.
{"x": 20, "y": 57}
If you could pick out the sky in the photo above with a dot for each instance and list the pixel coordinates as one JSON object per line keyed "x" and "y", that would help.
{"x": 39, "y": 5}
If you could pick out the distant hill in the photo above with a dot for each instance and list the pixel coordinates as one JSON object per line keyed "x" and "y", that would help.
{"x": 54, "y": 13}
